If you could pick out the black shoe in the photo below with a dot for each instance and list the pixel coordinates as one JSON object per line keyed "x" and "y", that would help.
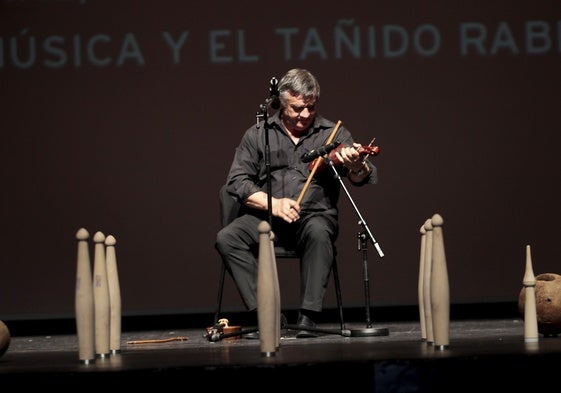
{"x": 305, "y": 322}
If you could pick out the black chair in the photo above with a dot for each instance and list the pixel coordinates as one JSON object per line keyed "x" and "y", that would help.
{"x": 229, "y": 208}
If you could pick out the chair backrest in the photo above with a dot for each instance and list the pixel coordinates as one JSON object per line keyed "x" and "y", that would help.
{"x": 229, "y": 210}
{"x": 229, "y": 206}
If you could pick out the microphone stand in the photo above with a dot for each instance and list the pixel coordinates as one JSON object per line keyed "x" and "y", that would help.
{"x": 363, "y": 236}
{"x": 264, "y": 114}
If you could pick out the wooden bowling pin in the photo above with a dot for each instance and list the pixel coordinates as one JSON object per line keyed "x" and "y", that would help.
{"x": 439, "y": 287}
{"x": 84, "y": 301}
{"x": 530, "y": 312}
{"x": 114, "y": 295}
{"x": 101, "y": 297}
{"x": 266, "y": 293}
{"x": 420, "y": 284}
{"x": 427, "y": 282}
{"x": 276, "y": 292}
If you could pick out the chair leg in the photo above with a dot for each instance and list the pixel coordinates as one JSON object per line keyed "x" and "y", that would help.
{"x": 220, "y": 291}
{"x": 337, "y": 284}
{"x": 338, "y": 293}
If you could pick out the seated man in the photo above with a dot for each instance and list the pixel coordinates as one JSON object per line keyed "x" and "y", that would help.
{"x": 311, "y": 225}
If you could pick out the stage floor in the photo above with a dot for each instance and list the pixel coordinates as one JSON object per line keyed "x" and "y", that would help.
{"x": 488, "y": 351}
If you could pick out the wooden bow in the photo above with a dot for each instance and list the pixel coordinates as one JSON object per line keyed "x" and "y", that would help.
{"x": 316, "y": 164}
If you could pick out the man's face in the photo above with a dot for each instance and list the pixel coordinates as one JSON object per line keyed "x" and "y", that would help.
{"x": 299, "y": 112}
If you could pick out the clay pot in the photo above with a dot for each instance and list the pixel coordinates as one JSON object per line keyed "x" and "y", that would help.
{"x": 4, "y": 338}
{"x": 548, "y": 303}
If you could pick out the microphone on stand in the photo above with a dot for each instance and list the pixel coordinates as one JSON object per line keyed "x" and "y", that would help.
{"x": 274, "y": 93}
{"x": 319, "y": 152}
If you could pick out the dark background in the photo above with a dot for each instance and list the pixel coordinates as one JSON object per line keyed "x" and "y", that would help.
{"x": 107, "y": 130}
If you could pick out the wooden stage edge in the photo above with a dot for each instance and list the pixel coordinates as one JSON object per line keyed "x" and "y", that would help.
{"x": 487, "y": 350}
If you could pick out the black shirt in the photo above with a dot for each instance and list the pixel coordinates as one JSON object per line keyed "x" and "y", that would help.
{"x": 248, "y": 172}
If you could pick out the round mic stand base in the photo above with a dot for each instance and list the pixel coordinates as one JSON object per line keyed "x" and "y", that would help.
{"x": 369, "y": 332}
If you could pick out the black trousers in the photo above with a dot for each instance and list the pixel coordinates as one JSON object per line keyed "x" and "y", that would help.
{"x": 314, "y": 237}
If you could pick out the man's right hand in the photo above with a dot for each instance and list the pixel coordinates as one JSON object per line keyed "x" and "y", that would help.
{"x": 286, "y": 208}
